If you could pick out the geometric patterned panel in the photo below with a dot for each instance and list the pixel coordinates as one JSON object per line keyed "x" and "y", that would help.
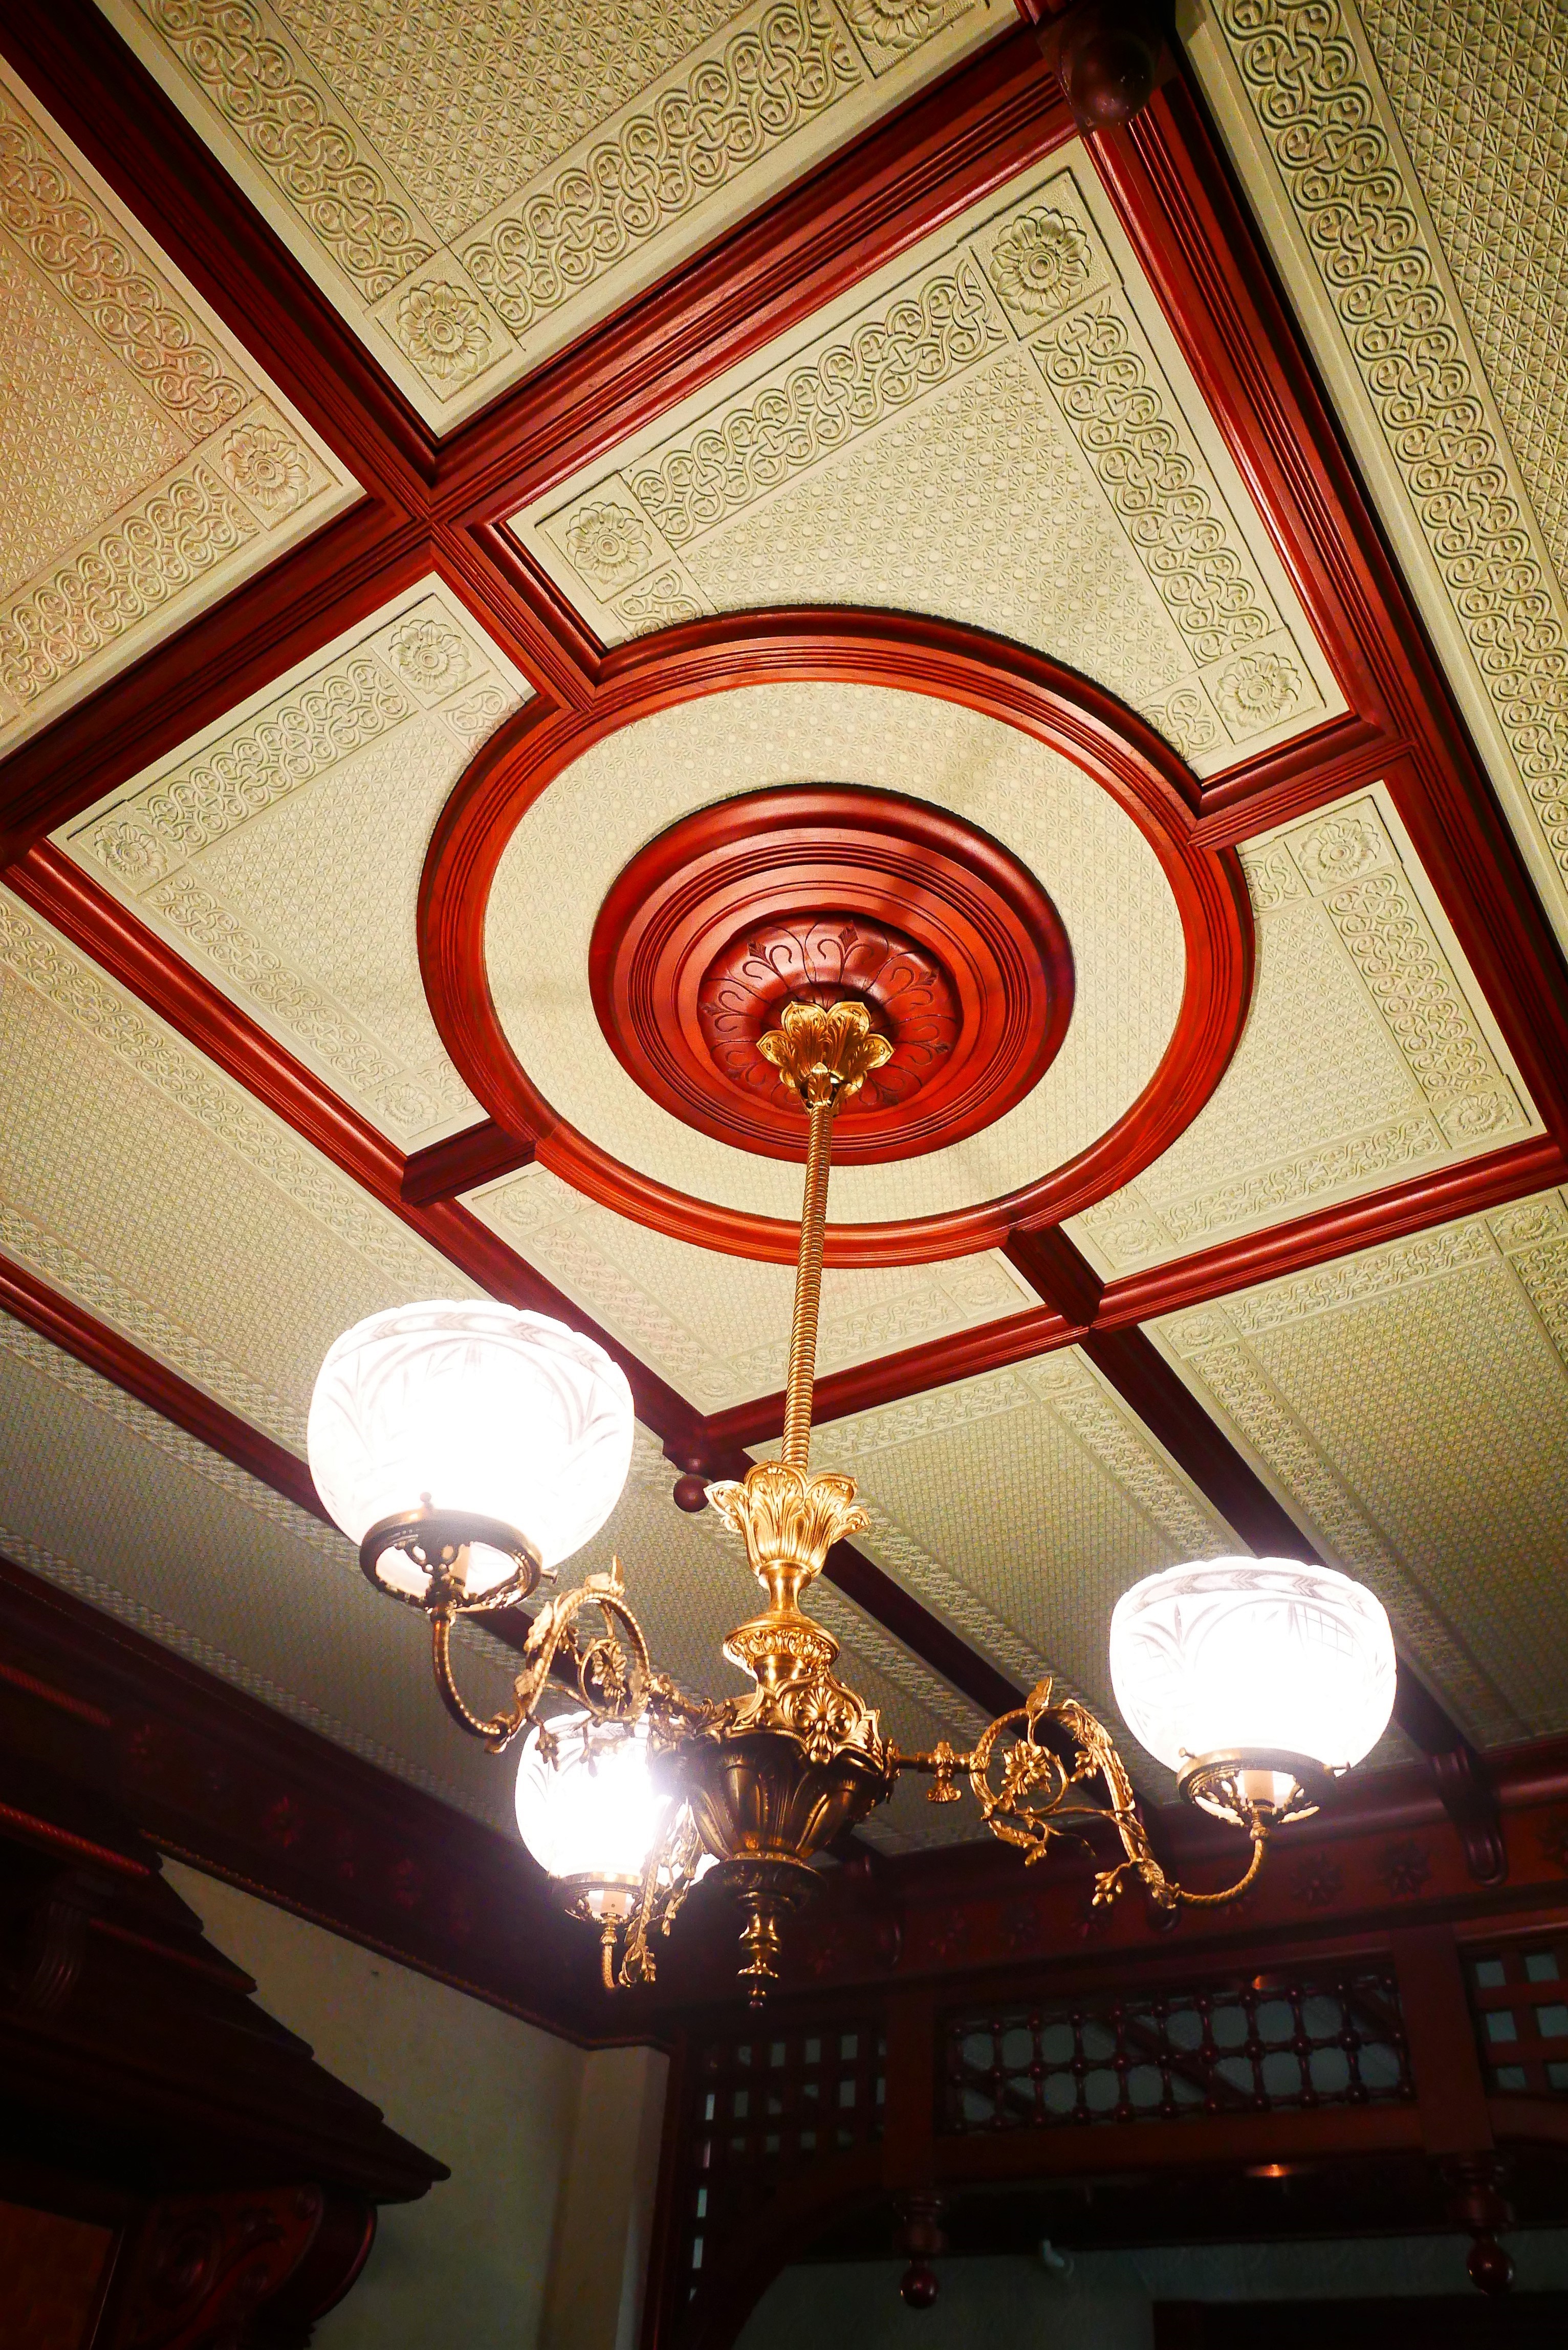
{"x": 1368, "y": 1051}
{"x": 280, "y": 851}
{"x": 146, "y": 465}
{"x": 990, "y": 437}
{"x": 153, "y": 1190}
{"x": 1411, "y": 171}
{"x": 716, "y": 1326}
{"x": 473, "y": 183}
{"x": 1409, "y": 1405}
{"x": 1018, "y": 1507}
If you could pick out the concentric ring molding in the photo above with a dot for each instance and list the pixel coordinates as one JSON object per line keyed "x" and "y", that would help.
{"x": 907, "y": 661}
{"x": 681, "y": 926}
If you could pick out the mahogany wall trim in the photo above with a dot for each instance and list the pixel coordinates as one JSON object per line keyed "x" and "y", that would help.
{"x": 216, "y": 1779}
{"x": 210, "y": 1776}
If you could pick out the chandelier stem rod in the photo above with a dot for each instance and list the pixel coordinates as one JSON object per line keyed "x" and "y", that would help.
{"x": 802, "y": 1374}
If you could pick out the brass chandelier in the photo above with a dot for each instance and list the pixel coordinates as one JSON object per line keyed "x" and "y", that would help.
{"x": 1257, "y": 1680}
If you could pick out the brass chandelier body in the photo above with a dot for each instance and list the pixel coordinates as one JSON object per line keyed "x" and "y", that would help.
{"x": 762, "y": 1784}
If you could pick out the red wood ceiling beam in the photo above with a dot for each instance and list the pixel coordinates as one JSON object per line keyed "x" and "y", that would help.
{"x": 190, "y": 679}
{"x": 1168, "y": 174}
{"x": 80, "y": 1334}
{"x": 953, "y": 142}
{"x": 1411, "y": 1206}
{"x": 55, "y": 888}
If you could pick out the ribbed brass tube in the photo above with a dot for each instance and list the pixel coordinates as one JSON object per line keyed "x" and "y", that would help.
{"x": 807, "y": 1290}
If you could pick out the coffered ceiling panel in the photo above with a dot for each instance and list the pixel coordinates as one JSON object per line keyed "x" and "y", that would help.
{"x": 166, "y": 1200}
{"x": 280, "y": 850}
{"x": 1409, "y": 165}
{"x": 1107, "y": 884}
{"x": 1409, "y": 1405}
{"x": 717, "y": 1327}
{"x": 996, "y": 430}
{"x": 1368, "y": 1052}
{"x": 146, "y": 464}
{"x": 472, "y": 185}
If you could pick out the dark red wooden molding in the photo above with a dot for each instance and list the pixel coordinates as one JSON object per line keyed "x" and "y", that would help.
{"x": 933, "y": 1363}
{"x": 213, "y": 1778}
{"x": 1053, "y": 704}
{"x": 301, "y": 602}
{"x": 92, "y": 1342}
{"x": 461, "y": 1162}
{"x": 1473, "y": 1188}
{"x": 1414, "y": 1205}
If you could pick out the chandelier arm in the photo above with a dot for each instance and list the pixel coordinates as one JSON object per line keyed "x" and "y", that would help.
{"x": 674, "y": 1860}
{"x": 1029, "y": 1805}
{"x": 497, "y": 1730}
{"x": 555, "y": 1625}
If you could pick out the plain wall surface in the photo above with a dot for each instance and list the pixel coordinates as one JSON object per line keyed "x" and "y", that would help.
{"x": 982, "y": 2305}
{"x": 1107, "y": 2301}
{"x": 539, "y": 2237}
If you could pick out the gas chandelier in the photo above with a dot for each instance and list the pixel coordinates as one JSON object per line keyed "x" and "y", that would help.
{"x": 470, "y": 1448}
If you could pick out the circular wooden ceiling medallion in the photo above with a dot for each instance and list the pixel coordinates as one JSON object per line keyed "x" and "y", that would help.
{"x": 696, "y": 940}
{"x": 810, "y": 894}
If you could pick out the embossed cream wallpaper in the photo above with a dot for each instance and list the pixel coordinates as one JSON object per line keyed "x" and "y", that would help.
{"x": 1409, "y": 167}
{"x": 280, "y": 851}
{"x": 146, "y": 464}
{"x": 1368, "y": 1053}
{"x": 986, "y": 432}
{"x": 474, "y": 184}
{"x": 1409, "y": 1405}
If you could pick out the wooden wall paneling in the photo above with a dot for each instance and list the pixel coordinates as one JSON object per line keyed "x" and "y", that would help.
{"x": 212, "y": 1777}
{"x": 1400, "y": 1988}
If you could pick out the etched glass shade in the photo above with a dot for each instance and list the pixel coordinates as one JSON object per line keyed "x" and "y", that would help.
{"x": 488, "y": 1410}
{"x": 593, "y": 1810}
{"x": 1252, "y": 1656}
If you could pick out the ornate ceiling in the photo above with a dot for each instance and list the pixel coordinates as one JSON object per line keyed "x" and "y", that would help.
{"x": 451, "y": 456}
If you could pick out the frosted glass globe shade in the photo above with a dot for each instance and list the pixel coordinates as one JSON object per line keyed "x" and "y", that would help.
{"x": 487, "y": 1409}
{"x": 593, "y": 1810}
{"x": 1251, "y": 1656}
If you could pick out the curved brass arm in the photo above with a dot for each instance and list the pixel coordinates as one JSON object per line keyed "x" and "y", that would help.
{"x": 1030, "y": 1803}
{"x": 615, "y": 1673}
